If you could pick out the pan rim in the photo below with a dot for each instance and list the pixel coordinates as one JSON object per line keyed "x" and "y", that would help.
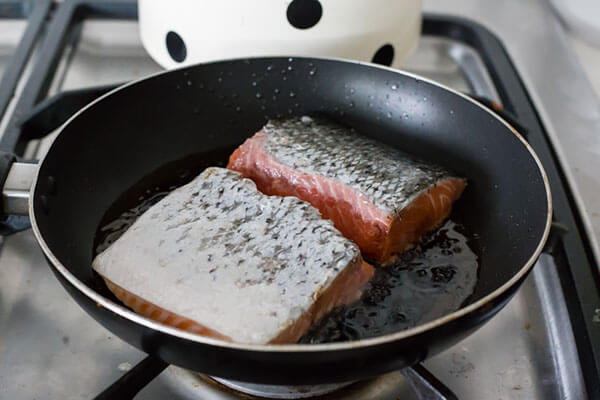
{"x": 124, "y": 312}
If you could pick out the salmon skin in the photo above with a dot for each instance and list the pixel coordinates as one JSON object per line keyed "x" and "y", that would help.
{"x": 218, "y": 258}
{"x": 377, "y": 196}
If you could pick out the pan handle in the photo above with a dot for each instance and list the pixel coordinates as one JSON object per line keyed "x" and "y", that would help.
{"x": 17, "y": 179}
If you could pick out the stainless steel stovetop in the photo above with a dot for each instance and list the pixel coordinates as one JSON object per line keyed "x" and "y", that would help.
{"x": 51, "y": 349}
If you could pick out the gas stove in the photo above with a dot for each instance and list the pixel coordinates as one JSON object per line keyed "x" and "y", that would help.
{"x": 545, "y": 344}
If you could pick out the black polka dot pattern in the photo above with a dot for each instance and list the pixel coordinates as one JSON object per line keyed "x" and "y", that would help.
{"x": 385, "y": 55}
{"x": 304, "y": 14}
{"x": 176, "y": 46}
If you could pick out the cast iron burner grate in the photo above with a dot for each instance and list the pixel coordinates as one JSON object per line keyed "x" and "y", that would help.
{"x": 35, "y": 13}
{"x": 33, "y": 118}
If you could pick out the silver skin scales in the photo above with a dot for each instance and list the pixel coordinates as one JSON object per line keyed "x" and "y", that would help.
{"x": 389, "y": 178}
{"x": 219, "y": 252}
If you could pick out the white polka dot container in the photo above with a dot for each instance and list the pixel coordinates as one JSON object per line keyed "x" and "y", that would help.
{"x": 182, "y": 32}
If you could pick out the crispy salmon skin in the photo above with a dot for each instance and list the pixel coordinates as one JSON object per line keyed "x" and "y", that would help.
{"x": 218, "y": 258}
{"x": 377, "y": 196}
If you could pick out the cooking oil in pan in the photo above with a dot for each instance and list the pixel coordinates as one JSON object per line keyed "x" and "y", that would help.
{"x": 431, "y": 280}
{"x": 150, "y": 190}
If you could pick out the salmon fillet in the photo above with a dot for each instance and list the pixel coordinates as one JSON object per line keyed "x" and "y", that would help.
{"x": 218, "y": 258}
{"x": 377, "y": 196}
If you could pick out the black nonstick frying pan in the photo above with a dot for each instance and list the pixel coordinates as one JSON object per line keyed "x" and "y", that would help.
{"x": 118, "y": 139}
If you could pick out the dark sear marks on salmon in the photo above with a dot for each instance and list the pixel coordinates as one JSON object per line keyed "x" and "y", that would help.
{"x": 381, "y": 198}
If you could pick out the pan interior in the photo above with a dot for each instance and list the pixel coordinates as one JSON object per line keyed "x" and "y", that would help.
{"x": 112, "y": 145}
{"x": 429, "y": 281}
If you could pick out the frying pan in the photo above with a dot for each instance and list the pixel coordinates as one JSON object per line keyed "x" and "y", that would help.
{"x": 115, "y": 141}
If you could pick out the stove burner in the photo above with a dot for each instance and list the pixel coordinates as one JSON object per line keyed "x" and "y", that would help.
{"x": 281, "y": 392}
{"x": 480, "y": 61}
{"x": 192, "y": 385}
